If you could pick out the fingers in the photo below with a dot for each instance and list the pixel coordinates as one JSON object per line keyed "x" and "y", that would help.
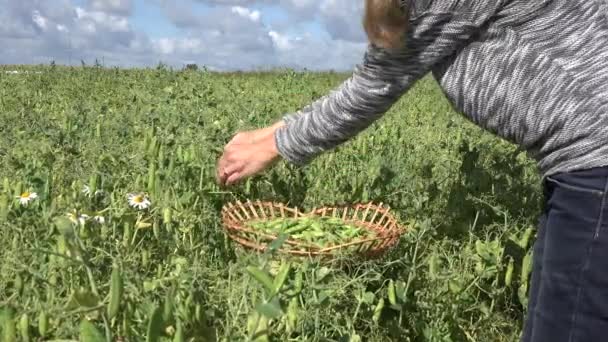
{"x": 233, "y": 178}
{"x": 231, "y": 172}
{"x": 228, "y": 165}
{"x": 221, "y": 174}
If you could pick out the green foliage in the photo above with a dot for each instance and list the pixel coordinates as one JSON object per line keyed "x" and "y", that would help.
{"x": 81, "y": 260}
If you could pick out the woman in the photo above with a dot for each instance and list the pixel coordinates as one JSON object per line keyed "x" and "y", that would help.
{"x": 532, "y": 72}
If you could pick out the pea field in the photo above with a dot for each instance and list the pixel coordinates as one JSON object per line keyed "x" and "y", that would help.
{"x": 111, "y": 227}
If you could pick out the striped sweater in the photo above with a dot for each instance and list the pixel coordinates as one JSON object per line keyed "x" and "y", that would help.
{"x": 532, "y": 72}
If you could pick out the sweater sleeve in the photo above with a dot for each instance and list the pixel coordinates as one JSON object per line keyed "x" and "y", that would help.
{"x": 437, "y": 30}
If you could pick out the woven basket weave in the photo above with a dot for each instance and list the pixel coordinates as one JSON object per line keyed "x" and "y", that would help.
{"x": 370, "y": 216}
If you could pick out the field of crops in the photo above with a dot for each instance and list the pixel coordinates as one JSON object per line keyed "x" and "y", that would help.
{"x": 110, "y": 219}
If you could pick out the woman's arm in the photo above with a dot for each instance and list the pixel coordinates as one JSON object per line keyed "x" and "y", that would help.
{"x": 436, "y": 31}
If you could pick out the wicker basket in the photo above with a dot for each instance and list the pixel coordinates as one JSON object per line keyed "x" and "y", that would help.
{"x": 368, "y": 216}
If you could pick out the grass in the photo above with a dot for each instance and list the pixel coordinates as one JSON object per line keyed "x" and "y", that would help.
{"x": 467, "y": 197}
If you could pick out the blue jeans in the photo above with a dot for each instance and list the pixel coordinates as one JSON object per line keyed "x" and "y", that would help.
{"x": 568, "y": 298}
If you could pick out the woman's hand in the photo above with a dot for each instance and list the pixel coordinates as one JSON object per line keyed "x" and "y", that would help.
{"x": 247, "y": 154}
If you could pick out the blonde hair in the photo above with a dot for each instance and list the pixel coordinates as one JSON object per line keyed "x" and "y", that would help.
{"x": 385, "y": 23}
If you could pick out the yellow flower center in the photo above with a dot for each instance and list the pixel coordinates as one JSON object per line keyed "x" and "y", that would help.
{"x": 138, "y": 199}
{"x": 25, "y": 195}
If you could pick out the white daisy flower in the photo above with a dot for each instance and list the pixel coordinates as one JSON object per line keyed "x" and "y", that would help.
{"x": 80, "y": 219}
{"x": 26, "y": 197}
{"x": 87, "y": 191}
{"x": 72, "y": 217}
{"x": 99, "y": 219}
{"x": 139, "y": 201}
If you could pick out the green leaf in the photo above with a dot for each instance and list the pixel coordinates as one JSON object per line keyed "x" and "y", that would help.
{"x": 270, "y": 309}
{"x": 278, "y": 242}
{"x": 262, "y": 277}
{"x": 82, "y": 298}
{"x": 368, "y": 297}
{"x": 155, "y": 325}
{"x": 257, "y": 327}
{"x": 89, "y": 333}
{"x": 355, "y": 338}
{"x": 323, "y": 296}
{"x": 400, "y": 289}
{"x": 322, "y": 273}
{"x": 64, "y": 226}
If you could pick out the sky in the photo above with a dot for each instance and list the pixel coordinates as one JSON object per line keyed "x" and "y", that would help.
{"x": 218, "y": 34}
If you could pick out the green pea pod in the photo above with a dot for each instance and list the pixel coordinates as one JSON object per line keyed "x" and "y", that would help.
{"x": 392, "y": 296}
{"x": 299, "y": 281}
{"x": 167, "y": 216}
{"x": 287, "y": 225}
{"x": 152, "y": 177}
{"x": 281, "y": 277}
{"x": 4, "y": 207}
{"x": 292, "y": 315}
{"x": 116, "y": 288}
{"x": 433, "y": 265}
{"x": 378, "y": 310}
{"x": 8, "y": 326}
{"x": 296, "y": 229}
{"x": 526, "y": 267}
{"x": 509, "y": 273}
{"x": 316, "y": 226}
{"x": 523, "y": 243}
{"x": 43, "y": 323}
{"x": 145, "y": 257}
{"x": 93, "y": 184}
{"x": 126, "y": 241}
{"x": 18, "y": 284}
{"x": 179, "y": 333}
{"x": 98, "y": 130}
{"x": 168, "y": 307}
{"x": 198, "y": 313}
{"x": 24, "y": 328}
{"x": 6, "y": 184}
{"x": 18, "y": 188}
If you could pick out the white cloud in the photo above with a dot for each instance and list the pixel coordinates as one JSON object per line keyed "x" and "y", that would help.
{"x": 39, "y": 20}
{"x": 165, "y": 45}
{"x": 111, "y": 22}
{"x": 246, "y": 13}
{"x": 168, "y": 46}
{"x": 283, "y": 41}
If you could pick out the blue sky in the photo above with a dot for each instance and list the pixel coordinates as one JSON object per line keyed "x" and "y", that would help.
{"x": 218, "y": 34}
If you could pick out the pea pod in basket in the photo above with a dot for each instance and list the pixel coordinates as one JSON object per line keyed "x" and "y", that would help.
{"x": 319, "y": 231}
